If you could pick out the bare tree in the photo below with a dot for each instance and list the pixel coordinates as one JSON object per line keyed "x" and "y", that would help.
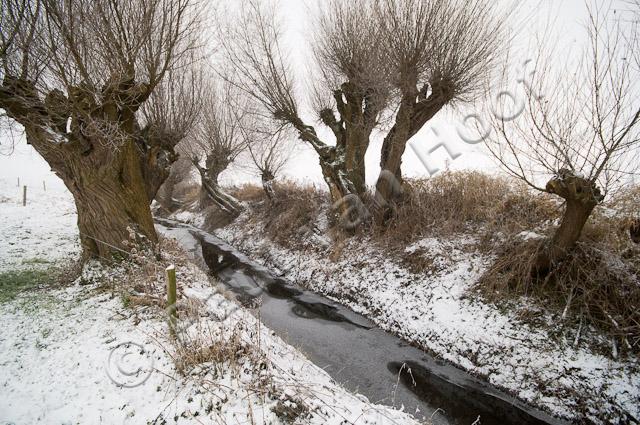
{"x": 75, "y": 75}
{"x": 217, "y": 141}
{"x": 579, "y": 130}
{"x": 170, "y": 115}
{"x": 269, "y": 152}
{"x": 440, "y": 52}
{"x": 173, "y": 109}
{"x": 371, "y": 57}
{"x": 351, "y": 73}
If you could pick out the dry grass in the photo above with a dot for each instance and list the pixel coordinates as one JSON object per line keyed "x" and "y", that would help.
{"x": 290, "y": 217}
{"x": 597, "y": 284}
{"x": 451, "y": 203}
{"x": 465, "y": 202}
{"x": 249, "y": 193}
{"x": 222, "y": 348}
{"x": 593, "y": 283}
{"x": 140, "y": 279}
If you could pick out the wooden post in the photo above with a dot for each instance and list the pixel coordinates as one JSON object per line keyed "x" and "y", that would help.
{"x": 18, "y": 181}
{"x": 24, "y": 196}
{"x": 44, "y": 185}
{"x": 171, "y": 299}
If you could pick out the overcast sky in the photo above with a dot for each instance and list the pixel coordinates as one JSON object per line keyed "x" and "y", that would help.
{"x": 564, "y": 16}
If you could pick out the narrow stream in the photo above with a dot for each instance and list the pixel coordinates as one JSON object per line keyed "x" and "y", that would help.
{"x": 356, "y": 353}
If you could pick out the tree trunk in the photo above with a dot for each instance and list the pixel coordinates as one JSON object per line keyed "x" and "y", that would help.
{"x": 634, "y": 231}
{"x": 353, "y": 158}
{"x": 393, "y": 148}
{"x": 410, "y": 119}
{"x": 337, "y": 178}
{"x": 581, "y": 198}
{"x": 344, "y": 165}
{"x": 212, "y": 190}
{"x": 112, "y": 204}
{"x": 267, "y": 184}
{"x": 112, "y": 175}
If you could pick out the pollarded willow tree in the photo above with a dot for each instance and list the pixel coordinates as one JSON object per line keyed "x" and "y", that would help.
{"x": 75, "y": 75}
{"x": 217, "y": 140}
{"x": 173, "y": 109}
{"x": 350, "y": 49}
{"x": 269, "y": 152}
{"x": 439, "y": 52}
{"x": 579, "y": 131}
{"x": 373, "y": 59}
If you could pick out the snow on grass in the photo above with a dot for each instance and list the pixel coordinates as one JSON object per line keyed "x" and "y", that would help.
{"x": 83, "y": 354}
{"x": 438, "y": 311}
{"x": 65, "y": 364}
{"x": 39, "y": 234}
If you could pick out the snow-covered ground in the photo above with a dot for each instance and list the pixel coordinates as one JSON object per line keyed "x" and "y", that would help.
{"x": 77, "y": 354}
{"x": 440, "y": 313}
{"x": 42, "y": 232}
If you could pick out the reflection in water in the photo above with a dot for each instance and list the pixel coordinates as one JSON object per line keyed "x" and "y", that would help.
{"x": 245, "y": 285}
{"x": 281, "y": 291}
{"x": 440, "y": 392}
{"x": 356, "y": 354}
{"x": 309, "y": 310}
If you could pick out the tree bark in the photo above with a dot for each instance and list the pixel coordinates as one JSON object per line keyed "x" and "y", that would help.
{"x": 331, "y": 158}
{"x": 634, "y": 231}
{"x": 267, "y": 184}
{"x": 212, "y": 190}
{"x": 344, "y": 165}
{"x": 581, "y": 197}
{"x": 415, "y": 110}
{"x": 112, "y": 181}
{"x": 113, "y": 207}
{"x": 355, "y": 149}
{"x": 336, "y": 176}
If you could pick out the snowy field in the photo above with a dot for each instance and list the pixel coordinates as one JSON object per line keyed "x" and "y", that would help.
{"x": 76, "y": 354}
{"x": 554, "y": 372}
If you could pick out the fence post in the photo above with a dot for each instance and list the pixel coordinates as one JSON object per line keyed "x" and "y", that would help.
{"x": 18, "y": 181}
{"x": 24, "y": 196}
{"x": 44, "y": 185}
{"x": 171, "y": 299}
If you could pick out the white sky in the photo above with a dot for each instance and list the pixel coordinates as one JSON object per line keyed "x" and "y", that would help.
{"x": 564, "y": 16}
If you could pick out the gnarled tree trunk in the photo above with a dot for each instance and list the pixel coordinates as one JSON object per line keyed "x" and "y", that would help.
{"x": 331, "y": 158}
{"x": 212, "y": 190}
{"x": 343, "y": 166}
{"x": 112, "y": 181}
{"x": 267, "y": 183}
{"x": 416, "y": 109}
{"x": 112, "y": 204}
{"x": 179, "y": 172}
{"x": 581, "y": 197}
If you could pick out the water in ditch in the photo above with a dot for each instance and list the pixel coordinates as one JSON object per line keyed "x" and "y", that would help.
{"x": 357, "y": 354}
